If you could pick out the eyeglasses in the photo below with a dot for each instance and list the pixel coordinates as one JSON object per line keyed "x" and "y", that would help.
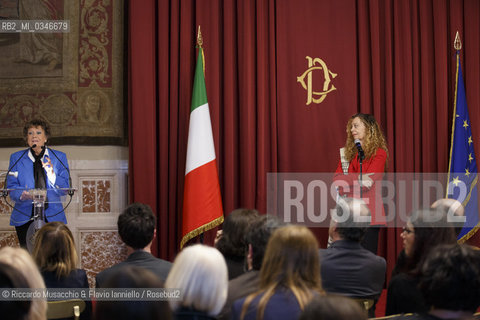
{"x": 407, "y": 231}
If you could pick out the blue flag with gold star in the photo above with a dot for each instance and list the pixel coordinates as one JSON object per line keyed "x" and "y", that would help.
{"x": 462, "y": 169}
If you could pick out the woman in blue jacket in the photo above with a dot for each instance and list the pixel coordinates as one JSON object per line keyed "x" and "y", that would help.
{"x": 37, "y": 167}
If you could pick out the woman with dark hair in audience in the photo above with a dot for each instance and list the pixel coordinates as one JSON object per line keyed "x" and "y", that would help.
{"x": 231, "y": 242}
{"x": 333, "y": 307}
{"x": 289, "y": 277}
{"x": 56, "y": 257}
{"x": 424, "y": 230}
{"x": 132, "y": 277}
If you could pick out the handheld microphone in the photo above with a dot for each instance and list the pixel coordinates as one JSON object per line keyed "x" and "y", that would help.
{"x": 4, "y": 191}
{"x": 361, "y": 154}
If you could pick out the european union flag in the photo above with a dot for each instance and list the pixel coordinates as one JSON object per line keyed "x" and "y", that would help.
{"x": 462, "y": 169}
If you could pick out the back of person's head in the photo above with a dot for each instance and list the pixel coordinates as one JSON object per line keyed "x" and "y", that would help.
{"x": 291, "y": 257}
{"x": 257, "y": 236}
{"x": 431, "y": 229}
{"x": 132, "y": 277}
{"x": 200, "y": 272}
{"x": 136, "y": 225}
{"x": 21, "y": 260}
{"x": 351, "y": 220}
{"x": 332, "y": 307}
{"x": 291, "y": 262}
{"x": 54, "y": 249}
{"x": 232, "y": 241}
{"x": 450, "y": 278}
{"x": 11, "y": 278}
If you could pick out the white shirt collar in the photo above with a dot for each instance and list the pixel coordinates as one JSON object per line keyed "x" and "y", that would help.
{"x": 30, "y": 155}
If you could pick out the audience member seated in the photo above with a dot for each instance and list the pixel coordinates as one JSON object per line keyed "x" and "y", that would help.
{"x": 424, "y": 230}
{"x": 26, "y": 275}
{"x": 289, "y": 277}
{"x": 201, "y": 275}
{"x": 136, "y": 227}
{"x": 346, "y": 267}
{"x": 231, "y": 242}
{"x": 132, "y": 277}
{"x": 256, "y": 239}
{"x": 450, "y": 207}
{"x": 56, "y": 257}
{"x": 11, "y": 278}
{"x": 450, "y": 283}
{"x": 332, "y": 307}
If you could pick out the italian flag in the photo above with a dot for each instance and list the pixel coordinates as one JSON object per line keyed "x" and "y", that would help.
{"x": 202, "y": 201}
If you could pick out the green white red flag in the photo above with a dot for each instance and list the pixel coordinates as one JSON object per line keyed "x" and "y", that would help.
{"x": 202, "y": 201}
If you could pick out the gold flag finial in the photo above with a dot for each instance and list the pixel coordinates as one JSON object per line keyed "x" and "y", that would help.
{"x": 457, "y": 44}
{"x": 199, "y": 38}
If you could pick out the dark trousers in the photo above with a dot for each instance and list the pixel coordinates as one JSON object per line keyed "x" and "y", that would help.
{"x": 22, "y": 234}
{"x": 370, "y": 240}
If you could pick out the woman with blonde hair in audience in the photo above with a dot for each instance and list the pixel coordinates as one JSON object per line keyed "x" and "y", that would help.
{"x": 21, "y": 261}
{"x": 200, "y": 273}
{"x": 289, "y": 277}
{"x": 55, "y": 254}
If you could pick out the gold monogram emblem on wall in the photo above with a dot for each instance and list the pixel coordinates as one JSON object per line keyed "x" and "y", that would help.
{"x": 317, "y": 96}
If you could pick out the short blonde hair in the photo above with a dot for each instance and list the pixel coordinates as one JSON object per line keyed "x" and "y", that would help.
{"x": 21, "y": 260}
{"x": 200, "y": 272}
{"x": 54, "y": 249}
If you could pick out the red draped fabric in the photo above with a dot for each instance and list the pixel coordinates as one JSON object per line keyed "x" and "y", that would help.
{"x": 394, "y": 59}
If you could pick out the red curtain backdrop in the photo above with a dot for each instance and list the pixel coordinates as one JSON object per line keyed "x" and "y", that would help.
{"x": 394, "y": 59}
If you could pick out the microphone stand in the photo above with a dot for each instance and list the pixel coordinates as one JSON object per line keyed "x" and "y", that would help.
{"x": 361, "y": 156}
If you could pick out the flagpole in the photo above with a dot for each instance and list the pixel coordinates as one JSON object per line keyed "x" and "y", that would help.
{"x": 200, "y": 47}
{"x": 457, "y": 45}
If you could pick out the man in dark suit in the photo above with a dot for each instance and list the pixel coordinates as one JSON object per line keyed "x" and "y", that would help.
{"x": 346, "y": 267}
{"x": 256, "y": 238}
{"x": 136, "y": 227}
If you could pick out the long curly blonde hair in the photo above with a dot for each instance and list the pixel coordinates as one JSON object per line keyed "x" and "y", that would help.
{"x": 373, "y": 140}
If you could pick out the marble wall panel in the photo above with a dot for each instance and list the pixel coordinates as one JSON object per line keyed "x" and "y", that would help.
{"x": 100, "y": 250}
{"x": 96, "y": 195}
{"x": 8, "y": 239}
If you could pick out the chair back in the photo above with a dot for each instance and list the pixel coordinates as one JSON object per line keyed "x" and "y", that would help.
{"x": 365, "y": 303}
{"x": 65, "y": 309}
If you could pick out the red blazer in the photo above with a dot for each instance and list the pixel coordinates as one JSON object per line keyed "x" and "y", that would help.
{"x": 375, "y": 165}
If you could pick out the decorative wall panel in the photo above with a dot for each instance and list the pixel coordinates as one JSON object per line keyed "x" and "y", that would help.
{"x": 100, "y": 250}
{"x": 73, "y": 80}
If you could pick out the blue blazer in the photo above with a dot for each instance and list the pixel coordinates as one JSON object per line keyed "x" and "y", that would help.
{"x": 21, "y": 178}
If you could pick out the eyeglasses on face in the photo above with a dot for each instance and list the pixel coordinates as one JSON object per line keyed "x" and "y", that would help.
{"x": 406, "y": 230}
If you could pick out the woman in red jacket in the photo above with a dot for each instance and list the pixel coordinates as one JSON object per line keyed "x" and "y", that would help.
{"x": 364, "y": 138}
